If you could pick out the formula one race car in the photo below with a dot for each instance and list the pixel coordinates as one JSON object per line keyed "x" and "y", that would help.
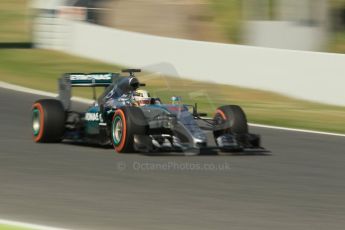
{"x": 142, "y": 125}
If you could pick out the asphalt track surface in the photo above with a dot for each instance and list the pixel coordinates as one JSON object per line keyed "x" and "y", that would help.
{"x": 300, "y": 185}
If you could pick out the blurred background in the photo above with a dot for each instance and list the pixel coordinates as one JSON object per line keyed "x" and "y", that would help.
{"x": 317, "y": 25}
{"x": 301, "y": 186}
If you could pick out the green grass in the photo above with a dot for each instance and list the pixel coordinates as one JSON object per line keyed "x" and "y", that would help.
{"x": 10, "y": 227}
{"x": 40, "y": 69}
{"x": 15, "y": 19}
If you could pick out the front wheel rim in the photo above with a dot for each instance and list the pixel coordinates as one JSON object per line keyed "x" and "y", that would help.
{"x": 36, "y": 124}
{"x": 117, "y": 130}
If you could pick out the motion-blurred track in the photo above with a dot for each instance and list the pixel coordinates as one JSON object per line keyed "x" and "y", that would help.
{"x": 299, "y": 186}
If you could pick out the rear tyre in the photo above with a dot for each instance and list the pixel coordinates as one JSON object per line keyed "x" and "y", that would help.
{"x": 127, "y": 122}
{"x": 48, "y": 120}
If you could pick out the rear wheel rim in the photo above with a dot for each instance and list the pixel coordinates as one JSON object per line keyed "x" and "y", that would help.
{"x": 36, "y": 124}
{"x": 117, "y": 130}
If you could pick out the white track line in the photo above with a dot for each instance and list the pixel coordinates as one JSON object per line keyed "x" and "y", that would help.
{"x": 87, "y": 101}
{"x": 296, "y": 130}
{"x": 28, "y": 225}
{"x": 6, "y": 85}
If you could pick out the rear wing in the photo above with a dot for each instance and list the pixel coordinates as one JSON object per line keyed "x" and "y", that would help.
{"x": 69, "y": 80}
{"x": 90, "y": 79}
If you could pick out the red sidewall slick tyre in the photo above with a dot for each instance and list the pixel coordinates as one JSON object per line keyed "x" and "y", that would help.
{"x": 37, "y": 135}
{"x": 127, "y": 122}
{"x": 230, "y": 119}
{"x": 48, "y": 120}
{"x": 119, "y": 140}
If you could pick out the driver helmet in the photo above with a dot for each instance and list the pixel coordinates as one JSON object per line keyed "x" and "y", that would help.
{"x": 142, "y": 97}
{"x": 176, "y": 100}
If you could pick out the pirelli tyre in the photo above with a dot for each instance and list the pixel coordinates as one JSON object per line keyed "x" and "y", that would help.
{"x": 230, "y": 119}
{"x": 48, "y": 120}
{"x": 127, "y": 122}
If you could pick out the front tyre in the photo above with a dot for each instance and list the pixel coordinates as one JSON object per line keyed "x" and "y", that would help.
{"x": 127, "y": 122}
{"x": 230, "y": 128}
{"x": 48, "y": 120}
{"x": 230, "y": 119}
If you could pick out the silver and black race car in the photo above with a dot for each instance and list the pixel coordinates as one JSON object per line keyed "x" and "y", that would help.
{"x": 115, "y": 119}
